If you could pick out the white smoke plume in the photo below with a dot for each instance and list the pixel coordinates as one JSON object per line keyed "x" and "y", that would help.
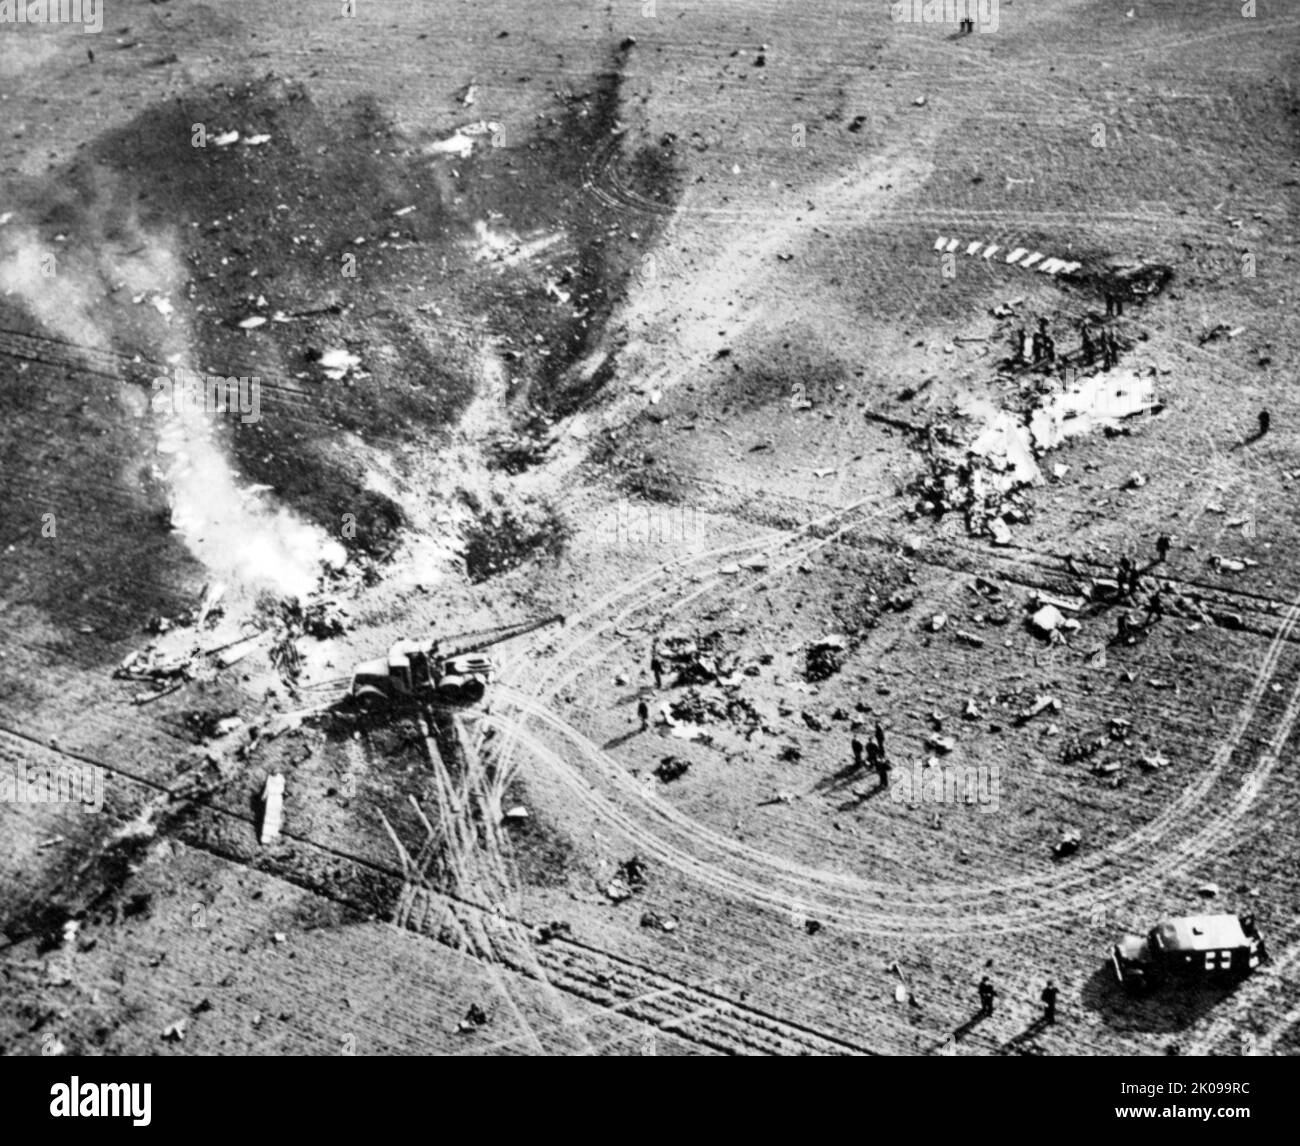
{"x": 235, "y": 530}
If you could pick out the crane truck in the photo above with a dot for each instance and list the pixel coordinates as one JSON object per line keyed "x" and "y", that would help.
{"x": 449, "y": 670}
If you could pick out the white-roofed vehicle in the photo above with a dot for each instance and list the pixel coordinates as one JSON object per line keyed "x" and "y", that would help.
{"x": 1188, "y": 948}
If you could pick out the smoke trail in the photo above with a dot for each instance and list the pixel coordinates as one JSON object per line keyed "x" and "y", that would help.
{"x": 233, "y": 529}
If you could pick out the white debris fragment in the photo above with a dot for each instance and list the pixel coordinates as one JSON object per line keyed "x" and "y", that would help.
{"x": 1231, "y": 564}
{"x": 1047, "y": 620}
{"x": 238, "y": 652}
{"x": 337, "y": 362}
{"x": 272, "y": 809}
{"x": 252, "y": 322}
{"x": 226, "y": 138}
{"x": 1042, "y": 704}
{"x": 458, "y": 144}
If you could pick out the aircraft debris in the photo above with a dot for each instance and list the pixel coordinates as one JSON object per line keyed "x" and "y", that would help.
{"x": 1068, "y": 844}
{"x": 272, "y": 809}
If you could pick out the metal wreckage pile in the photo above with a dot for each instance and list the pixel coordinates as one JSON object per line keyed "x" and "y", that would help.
{"x": 1054, "y": 397}
{"x": 281, "y": 624}
{"x": 711, "y": 677}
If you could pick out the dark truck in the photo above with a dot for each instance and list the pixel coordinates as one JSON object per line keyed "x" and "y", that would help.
{"x": 1193, "y": 947}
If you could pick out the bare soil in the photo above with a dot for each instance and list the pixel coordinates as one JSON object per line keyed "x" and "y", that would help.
{"x": 669, "y": 351}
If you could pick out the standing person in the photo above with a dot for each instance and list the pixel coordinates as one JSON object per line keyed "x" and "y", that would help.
{"x": 643, "y": 713}
{"x": 1123, "y": 625}
{"x": 882, "y": 768}
{"x": 1162, "y": 547}
{"x": 1088, "y": 349}
{"x": 1124, "y": 575}
{"x": 1049, "y": 348}
{"x": 1155, "y": 607}
{"x": 858, "y": 750}
{"x": 987, "y": 993}
{"x": 1264, "y": 421}
{"x": 880, "y": 738}
{"x": 421, "y": 678}
{"x": 657, "y": 667}
{"x": 1049, "y": 996}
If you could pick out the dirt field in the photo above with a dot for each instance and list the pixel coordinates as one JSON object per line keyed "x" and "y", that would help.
{"x": 679, "y": 320}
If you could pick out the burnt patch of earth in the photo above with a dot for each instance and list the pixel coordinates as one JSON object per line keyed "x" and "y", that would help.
{"x": 170, "y": 240}
{"x": 503, "y": 537}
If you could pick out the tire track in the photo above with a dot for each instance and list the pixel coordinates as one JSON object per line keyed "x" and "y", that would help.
{"x": 1082, "y": 875}
{"x": 488, "y": 933}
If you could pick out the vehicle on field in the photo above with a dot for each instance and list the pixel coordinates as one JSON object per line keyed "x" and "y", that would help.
{"x": 450, "y": 671}
{"x": 1189, "y": 948}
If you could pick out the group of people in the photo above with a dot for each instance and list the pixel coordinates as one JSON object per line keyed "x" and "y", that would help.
{"x": 872, "y": 754}
{"x": 1039, "y": 349}
{"x": 1105, "y": 344}
{"x": 988, "y": 992}
{"x": 1129, "y": 579}
{"x": 1041, "y": 346}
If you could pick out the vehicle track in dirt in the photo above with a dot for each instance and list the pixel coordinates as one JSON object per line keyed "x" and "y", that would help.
{"x": 788, "y": 511}
{"x": 1080, "y": 890}
{"x": 688, "y": 1011}
{"x": 1209, "y": 1037}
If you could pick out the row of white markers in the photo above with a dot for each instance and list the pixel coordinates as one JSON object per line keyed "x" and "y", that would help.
{"x": 1021, "y": 256}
